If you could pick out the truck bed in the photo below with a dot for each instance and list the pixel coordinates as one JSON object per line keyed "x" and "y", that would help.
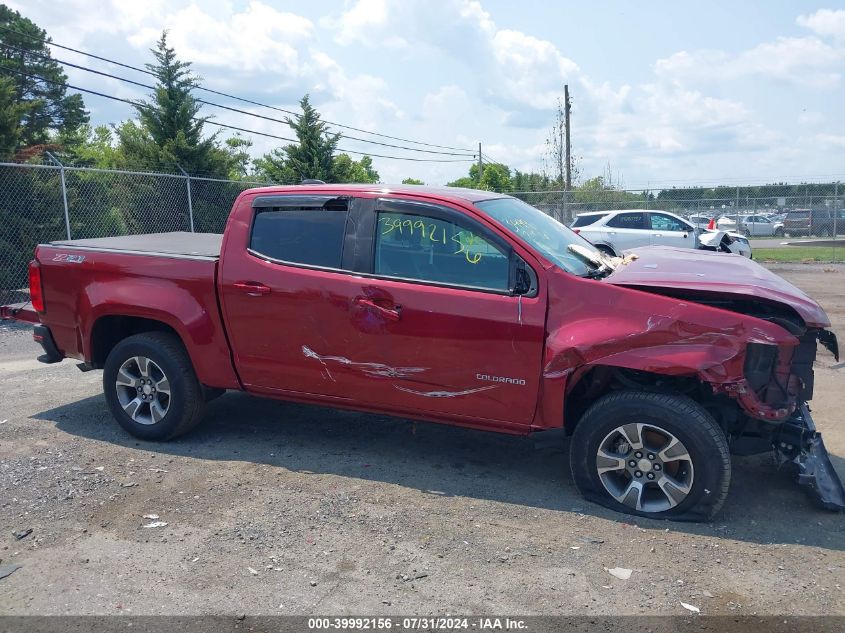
{"x": 178, "y": 243}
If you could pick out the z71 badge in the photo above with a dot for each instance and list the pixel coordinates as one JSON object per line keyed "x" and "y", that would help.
{"x": 71, "y": 259}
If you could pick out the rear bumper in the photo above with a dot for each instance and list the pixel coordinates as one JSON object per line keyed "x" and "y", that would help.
{"x": 42, "y": 335}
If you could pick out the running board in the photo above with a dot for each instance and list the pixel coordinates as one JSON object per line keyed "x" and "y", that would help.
{"x": 799, "y": 443}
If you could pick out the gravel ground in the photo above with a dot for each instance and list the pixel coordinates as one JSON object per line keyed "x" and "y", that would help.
{"x": 275, "y": 508}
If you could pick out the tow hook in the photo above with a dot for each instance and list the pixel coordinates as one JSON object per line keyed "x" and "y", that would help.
{"x": 798, "y": 442}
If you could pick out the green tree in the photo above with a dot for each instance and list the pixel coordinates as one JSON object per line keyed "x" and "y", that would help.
{"x": 412, "y": 181}
{"x": 240, "y": 161}
{"x": 491, "y": 176}
{"x": 10, "y": 118}
{"x": 345, "y": 169}
{"x": 44, "y": 105}
{"x": 312, "y": 157}
{"x": 169, "y": 131}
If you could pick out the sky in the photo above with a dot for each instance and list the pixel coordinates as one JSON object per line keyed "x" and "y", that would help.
{"x": 664, "y": 93}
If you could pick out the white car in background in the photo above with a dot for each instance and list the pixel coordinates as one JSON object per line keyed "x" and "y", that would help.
{"x": 616, "y": 231}
{"x": 753, "y": 225}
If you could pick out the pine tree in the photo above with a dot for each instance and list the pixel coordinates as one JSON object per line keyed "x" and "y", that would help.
{"x": 313, "y": 157}
{"x": 10, "y": 119}
{"x": 45, "y": 108}
{"x": 169, "y": 131}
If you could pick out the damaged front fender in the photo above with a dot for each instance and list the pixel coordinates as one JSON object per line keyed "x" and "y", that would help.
{"x": 665, "y": 336}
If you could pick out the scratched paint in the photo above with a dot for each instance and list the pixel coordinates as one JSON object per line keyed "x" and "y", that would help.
{"x": 370, "y": 369}
{"x": 443, "y": 394}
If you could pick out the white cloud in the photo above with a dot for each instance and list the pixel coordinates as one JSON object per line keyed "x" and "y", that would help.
{"x": 825, "y": 22}
{"x": 804, "y": 60}
{"x": 258, "y": 39}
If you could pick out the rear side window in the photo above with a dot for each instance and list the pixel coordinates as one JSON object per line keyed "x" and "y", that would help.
{"x": 436, "y": 250}
{"x": 587, "y": 220}
{"x": 312, "y": 236}
{"x": 660, "y": 222}
{"x": 627, "y": 221}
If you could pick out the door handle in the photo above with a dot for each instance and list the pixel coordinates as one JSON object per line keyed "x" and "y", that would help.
{"x": 252, "y": 288}
{"x": 657, "y": 234}
{"x": 391, "y": 314}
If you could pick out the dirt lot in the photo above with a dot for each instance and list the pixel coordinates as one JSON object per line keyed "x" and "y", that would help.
{"x": 275, "y": 508}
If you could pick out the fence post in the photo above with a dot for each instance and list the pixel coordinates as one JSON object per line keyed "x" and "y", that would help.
{"x": 835, "y": 217}
{"x": 736, "y": 210}
{"x": 64, "y": 190}
{"x": 190, "y": 203}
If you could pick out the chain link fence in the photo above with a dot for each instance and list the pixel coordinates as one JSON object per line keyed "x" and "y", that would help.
{"x": 777, "y": 212}
{"x": 51, "y": 201}
{"x": 44, "y": 202}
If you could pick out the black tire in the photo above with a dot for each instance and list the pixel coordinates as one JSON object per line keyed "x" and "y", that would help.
{"x": 678, "y": 415}
{"x": 186, "y": 399}
{"x": 606, "y": 250}
{"x": 778, "y": 233}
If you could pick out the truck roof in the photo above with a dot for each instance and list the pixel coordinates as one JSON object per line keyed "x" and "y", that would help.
{"x": 454, "y": 193}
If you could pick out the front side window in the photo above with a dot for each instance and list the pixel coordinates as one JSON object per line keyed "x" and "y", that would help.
{"x": 312, "y": 236}
{"x": 432, "y": 249}
{"x": 627, "y": 221}
{"x": 660, "y": 222}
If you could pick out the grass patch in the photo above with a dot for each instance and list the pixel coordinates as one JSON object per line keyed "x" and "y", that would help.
{"x": 799, "y": 254}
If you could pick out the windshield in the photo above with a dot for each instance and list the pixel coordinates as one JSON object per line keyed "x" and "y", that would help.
{"x": 551, "y": 238}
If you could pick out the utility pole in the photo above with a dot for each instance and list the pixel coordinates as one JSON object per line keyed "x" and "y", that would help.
{"x": 568, "y": 146}
{"x": 480, "y": 165}
{"x": 560, "y": 146}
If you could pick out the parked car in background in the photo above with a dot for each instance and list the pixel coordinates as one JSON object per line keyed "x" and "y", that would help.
{"x": 754, "y": 225}
{"x": 817, "y": 222}
{"x": 699, "y": 221}
{"x": 616, "y": 231}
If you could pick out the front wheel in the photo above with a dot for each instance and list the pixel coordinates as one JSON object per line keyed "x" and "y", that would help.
{"x": 151, "y": 388}
{"x": 653, "y": 455}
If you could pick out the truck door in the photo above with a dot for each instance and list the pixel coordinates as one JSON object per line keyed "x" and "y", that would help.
{"x": 288, "y": 297}
{"x": 437, "y": 312}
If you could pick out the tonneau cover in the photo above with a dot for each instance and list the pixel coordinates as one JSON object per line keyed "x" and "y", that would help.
{"x": 176, "y": 243}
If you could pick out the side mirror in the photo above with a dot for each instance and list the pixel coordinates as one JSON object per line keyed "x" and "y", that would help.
{"x": 524, "y": 279}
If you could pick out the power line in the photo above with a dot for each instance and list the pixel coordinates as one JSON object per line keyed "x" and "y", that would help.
{"x": 224, "y": 107}
{"x": 224, "y": 125}
{"x": 229, "y": 96}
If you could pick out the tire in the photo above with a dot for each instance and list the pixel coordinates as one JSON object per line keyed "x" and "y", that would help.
{"x": 778, "y": 233}
{"x": 682, "y": 490}
{"x": 606, "y": 250}
{"x": 174, "y": 400}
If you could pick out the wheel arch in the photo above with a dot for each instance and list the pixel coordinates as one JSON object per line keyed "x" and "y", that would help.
{"x": 109, "y": 329}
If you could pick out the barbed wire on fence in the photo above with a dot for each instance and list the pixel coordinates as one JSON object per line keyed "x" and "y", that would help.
{"x": 46, "y": 200}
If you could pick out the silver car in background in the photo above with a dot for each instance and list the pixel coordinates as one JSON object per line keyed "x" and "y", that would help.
{"x": 616, "y": 231}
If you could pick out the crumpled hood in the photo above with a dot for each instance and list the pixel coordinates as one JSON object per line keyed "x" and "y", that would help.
{"x": 717, "y": 274}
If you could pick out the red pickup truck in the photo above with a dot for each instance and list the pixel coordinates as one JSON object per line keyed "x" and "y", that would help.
{"x": 450, "y": 305}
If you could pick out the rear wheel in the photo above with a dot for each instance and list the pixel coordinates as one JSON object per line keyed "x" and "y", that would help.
{"x": 606, "y": 250}
{"x": 654, "y": 455}
{"x": 151, "y": 388}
